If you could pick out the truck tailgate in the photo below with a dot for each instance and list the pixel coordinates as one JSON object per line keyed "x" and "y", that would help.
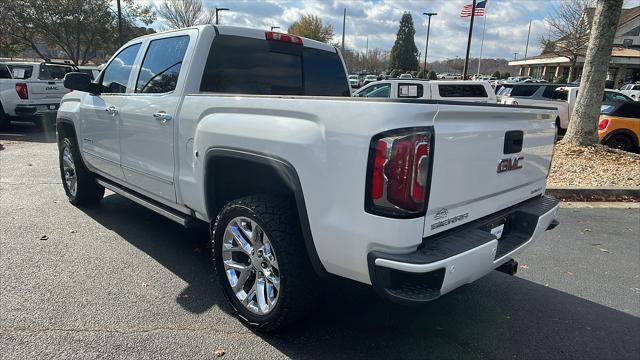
{"x": 46, "y": 90}
{"x": 478, "y": 167}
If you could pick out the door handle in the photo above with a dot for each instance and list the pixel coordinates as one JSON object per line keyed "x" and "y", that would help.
{"x": 111, "y": 110}
{"x": 161, "y": 115}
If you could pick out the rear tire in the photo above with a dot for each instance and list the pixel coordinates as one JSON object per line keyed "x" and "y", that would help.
{"x": 5, "y": 121}
{"x": 274, "y": 219}
{"x": 78, "y": 182}
{"x": 621, "y": 142}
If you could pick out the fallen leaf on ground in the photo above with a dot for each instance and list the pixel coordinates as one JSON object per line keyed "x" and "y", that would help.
{"x": 569, "y": 273}
{"x": 596, "y": 244}
{"x": 219, "y": 352}
{"x": 604, "y": 250}
{"x": 144, "y": 284}
{"x": 73, "y": 231}
{"x": 524, "y": 266}
{"x": 587, "y": 230}
{"x": 44, "y": 238}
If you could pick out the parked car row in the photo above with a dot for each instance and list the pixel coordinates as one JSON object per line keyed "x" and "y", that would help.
{"x": 473, "y": 91}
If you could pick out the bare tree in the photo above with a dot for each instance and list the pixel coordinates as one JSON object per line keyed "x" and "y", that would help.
{"x": 568, "y": 32}
{"x": 78, "y": 28}
{"x": 184, "y": 13}
{"x": 583, "y": 126}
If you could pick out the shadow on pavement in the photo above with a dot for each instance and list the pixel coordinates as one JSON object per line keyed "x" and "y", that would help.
{"x": 498, "y": 317}
{"x": 27, "y": 132}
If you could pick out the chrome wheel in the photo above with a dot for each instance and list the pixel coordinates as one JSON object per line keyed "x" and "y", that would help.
{"x": 69, "y": 169}
{"x": 250, "y": 265}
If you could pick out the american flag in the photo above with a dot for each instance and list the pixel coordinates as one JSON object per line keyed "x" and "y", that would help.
{"x": 466, "y": 10}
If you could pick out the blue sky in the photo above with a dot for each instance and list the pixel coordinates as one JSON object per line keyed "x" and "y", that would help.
{"x": 507, "y": 22}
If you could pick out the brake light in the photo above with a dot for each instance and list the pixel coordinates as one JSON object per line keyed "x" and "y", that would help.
{"x": 398, "y": 173}
{"x": 603, "y": 124}
{"x": 23, "y": 92}
{"x": 275, "y": 36}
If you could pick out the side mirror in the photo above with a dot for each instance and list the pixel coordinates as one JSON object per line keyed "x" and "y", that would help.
{"x": 80, "y": 81}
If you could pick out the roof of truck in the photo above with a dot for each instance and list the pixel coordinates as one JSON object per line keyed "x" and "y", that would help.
{"x": 246, "y": 32}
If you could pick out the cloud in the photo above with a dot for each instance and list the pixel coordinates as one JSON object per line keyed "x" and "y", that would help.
{"x": 507, "y": 22}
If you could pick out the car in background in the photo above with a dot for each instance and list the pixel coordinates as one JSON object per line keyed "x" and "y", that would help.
{"x": 619, "y": 126}
{"x": 406, "y": 76}
{"x": 354, "y": 81}
{"x": 527, "y": 81}
{"x": 449, "y": 76}
{"x": 33, "y": 92}
{"x": 529, "y": 91}
{"x": 92, "y": 71}
{"x": 473, "y": 91}
{"x": 632, "y": 91}
{"x": 369, "y": 79}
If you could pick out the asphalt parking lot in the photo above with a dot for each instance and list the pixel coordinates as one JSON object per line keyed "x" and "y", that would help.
{"x": 118, "y": 281}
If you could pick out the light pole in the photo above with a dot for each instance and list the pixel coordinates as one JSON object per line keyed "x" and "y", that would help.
{"x": 219, "y": 9}
{"x": 426, "y": 48}
{"x": 275, "y": 27}
{"x": 515, "y": 56}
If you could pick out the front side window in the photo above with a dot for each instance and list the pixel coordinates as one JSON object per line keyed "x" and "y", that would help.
{"x": 377, "y": 90}
{"x": 524, "y": 90}
{"x": 116, "y": 76}
{"x": 614, "y": 96}
{"x": 452, "y": 91}
{"x": 161, "y": 65}
{"x": 4, "y": 72}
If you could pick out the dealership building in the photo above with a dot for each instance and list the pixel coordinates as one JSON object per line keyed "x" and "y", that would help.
{"x": 624, "y": 65}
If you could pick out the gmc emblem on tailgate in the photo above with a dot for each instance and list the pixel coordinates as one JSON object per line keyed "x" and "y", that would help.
{"x": 509, "y": 164}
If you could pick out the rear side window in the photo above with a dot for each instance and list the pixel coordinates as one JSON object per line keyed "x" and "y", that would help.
{"x": 116, "y": 76}
{"x": 4, "y": 72}
{"x": 161, "y": 65}
{"x": 382, "y": 90}
{"x": 21, "y": 71}
{"x": 451, "y": 91}
{"x": 637, "y": 87}
{"x": 241, "y": 65}
{"x": 53, "y": 72}
{"x": 524, "y": 90}
{"x": 410, "y": 90}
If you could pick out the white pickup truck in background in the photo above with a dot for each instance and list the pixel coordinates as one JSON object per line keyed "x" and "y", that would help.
{"x": 632, "y": 91}
{"x": 563, "y": 99}
{"x": 474, "y": 91}
{"x": 255, "y": 133}
{"x": 31, "y": 90}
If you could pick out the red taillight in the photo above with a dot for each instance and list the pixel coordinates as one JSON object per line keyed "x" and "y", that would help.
{"x": 283, "y": 37}
{"x": 23, "y": 92}
{"x": 377, "y": 176}
{"x": 399, "y": 172}
{"x": 603, "y": 124}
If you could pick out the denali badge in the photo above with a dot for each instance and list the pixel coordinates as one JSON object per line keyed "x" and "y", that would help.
{"x": 509, "y": 164}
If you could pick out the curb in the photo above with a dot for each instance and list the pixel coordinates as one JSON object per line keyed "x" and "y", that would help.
{"x": 595, "y": 193}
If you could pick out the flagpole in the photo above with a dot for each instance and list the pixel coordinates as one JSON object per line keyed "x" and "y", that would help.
{"x": 484, "y": 25}
{"x": 466, "y": 58}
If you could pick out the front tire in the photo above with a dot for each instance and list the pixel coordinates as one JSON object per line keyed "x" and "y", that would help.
{"x": 261, "y": 262}
{"x": 78, "y": 182}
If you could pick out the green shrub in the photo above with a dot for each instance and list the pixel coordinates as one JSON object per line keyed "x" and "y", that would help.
{"x": 496, "y": 74}
{"x": 432, "y": 75}
{"x": 421, "y": 74}
{"x": 506, "y": 75}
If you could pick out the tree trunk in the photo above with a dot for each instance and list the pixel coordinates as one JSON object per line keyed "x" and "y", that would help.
{"x": 572, "y": 70}
{"x": 584, "y": 119}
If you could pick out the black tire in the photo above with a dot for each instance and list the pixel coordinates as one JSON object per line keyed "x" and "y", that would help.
{"x": 621, "y": 142}
{"x": 299, "y": 288}
{"x": 87, "y": 191}
{"x": 5, "y": 121}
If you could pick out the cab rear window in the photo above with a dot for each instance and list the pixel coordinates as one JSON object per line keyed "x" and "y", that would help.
{"x": 462, "y": 91}
{"x": 21, "y": 71}
{"x": 241, "y": 65}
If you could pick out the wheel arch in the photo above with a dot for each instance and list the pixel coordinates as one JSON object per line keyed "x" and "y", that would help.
{"x": 249, "y": 173}
{"x": 625, "y": 132}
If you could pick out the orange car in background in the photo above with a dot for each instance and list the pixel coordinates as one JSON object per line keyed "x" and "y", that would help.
{"x": 619, "y": 126}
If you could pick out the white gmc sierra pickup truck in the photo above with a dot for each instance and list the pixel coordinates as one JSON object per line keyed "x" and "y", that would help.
{"x": 256, "y": 134}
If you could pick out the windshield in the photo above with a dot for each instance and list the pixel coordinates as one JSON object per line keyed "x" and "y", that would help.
{"x": 53, "y": 72}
